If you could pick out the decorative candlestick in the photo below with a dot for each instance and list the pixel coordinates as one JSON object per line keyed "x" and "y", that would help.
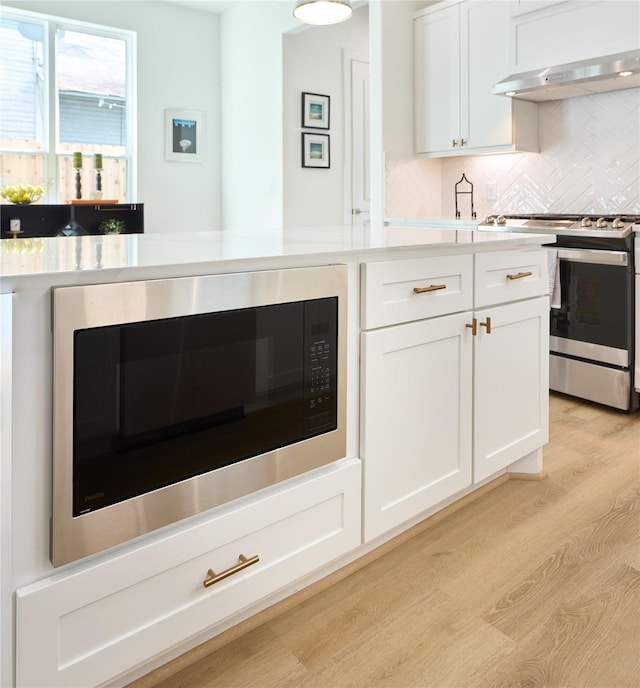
{"x": 77, "y": 165}
{"x": 97, "y": 163}
{"x": 78, "y": 184}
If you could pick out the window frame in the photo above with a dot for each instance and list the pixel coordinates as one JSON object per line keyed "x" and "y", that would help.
{"x": 51, "y": 152}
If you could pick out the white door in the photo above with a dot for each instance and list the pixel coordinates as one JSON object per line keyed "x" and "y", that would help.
{"x": 511, "y": 384}
{"x": 416, "y": 418}
{"x": 359, "y": 197}
{"x": 437, "y": 72}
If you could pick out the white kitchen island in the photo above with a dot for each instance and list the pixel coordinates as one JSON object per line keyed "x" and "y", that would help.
{"x": 447, "y": 391}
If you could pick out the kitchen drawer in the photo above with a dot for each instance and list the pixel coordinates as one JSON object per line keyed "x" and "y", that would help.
{"x": 85, "y": 627}
{"x": 389, "y": 289}
{"x": 504, "y": 276}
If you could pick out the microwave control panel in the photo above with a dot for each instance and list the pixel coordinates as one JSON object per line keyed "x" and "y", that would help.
{"x": 321, "y": 365}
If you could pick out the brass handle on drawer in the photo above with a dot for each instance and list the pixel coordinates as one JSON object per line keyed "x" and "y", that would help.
{"x": 519, "y": 275}
{"x": 216, "y": 577}
{"x": 474, "y": 326}
{"x": 432, "y": 287}
{"x": 487, "y": 324}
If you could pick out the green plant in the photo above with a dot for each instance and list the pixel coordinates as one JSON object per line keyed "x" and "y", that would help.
{"x": 111, "y": 226}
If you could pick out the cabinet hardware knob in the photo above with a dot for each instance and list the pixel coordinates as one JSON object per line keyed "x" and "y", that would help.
{"x": 216, "y": 577}
{"x": 519, "y": 275}
{"x": 454, "y": 143}
{"x": 462, "y": 142}
{"x": 432, "y": 287}
{"x": 487, "y": 324}
{"x": 474, "y": 326}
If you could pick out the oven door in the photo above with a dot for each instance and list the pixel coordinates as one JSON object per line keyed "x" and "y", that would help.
{"x": 595, "y": 314}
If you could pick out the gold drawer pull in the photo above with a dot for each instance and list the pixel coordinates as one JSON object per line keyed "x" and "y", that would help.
{"x": 433, "y": 287}
{"x": 216, "y": 577}
{"x": 474, "y": 326}
{"x": 487, "y": 324}
{"x": 519, "y": 275}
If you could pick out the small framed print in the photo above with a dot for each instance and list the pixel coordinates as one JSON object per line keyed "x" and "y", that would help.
{"x": 315, "y": 111}
{"x": 315, "y": 150}
{"x": 184, "y": 135}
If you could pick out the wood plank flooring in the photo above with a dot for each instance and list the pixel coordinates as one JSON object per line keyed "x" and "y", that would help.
{"x": 536, "y": 583}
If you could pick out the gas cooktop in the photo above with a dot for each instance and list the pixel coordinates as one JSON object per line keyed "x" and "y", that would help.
{"x": 570, "y": 225}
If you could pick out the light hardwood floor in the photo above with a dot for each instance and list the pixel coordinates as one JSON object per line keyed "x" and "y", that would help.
{"x": 536, "y": 583}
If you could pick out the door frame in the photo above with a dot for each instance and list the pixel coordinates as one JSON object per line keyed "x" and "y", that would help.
{"x": 348, "y": 56}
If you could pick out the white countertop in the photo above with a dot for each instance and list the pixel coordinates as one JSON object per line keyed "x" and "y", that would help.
{"x": 222, "y": 251}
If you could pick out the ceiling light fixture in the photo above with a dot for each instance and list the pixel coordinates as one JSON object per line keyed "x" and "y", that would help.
{"x": 322, "y": 12}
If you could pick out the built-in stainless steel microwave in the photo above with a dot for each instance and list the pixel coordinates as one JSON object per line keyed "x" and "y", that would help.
{"x": 175, "y": 396}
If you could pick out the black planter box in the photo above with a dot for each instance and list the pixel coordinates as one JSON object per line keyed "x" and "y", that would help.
{"x": 69, "y": 220}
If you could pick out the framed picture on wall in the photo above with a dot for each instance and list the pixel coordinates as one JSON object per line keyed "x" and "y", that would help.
{"x": 315, "y": 111}
{"x": 315, "y": 150}
{"x": 184, "y": 135}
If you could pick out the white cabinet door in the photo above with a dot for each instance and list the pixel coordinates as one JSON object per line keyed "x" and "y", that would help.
{"x": 561, "y": 32}
{"x": 488, "y": 116}
{"x": 437, "y": 80}
{"x": 461, "y": 50}
{"x": 511, "y": 384}
{"x": 416, "y": 429}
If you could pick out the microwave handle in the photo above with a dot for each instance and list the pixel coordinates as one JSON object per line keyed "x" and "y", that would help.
{"x": 580, "y": 255}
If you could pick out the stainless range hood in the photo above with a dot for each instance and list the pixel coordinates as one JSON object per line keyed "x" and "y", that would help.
{"x": 574, "y": 79}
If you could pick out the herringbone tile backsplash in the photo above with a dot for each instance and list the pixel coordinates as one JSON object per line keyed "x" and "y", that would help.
{"x": 589, "y": 163}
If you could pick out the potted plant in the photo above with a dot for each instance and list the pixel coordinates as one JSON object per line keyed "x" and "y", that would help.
{"x": 111, "y": 226}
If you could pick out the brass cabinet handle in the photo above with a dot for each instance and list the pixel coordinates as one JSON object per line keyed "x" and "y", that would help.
{"x": 433, "y": 287}
{"x": 474, "y": 326}
{"x": 454, "y": 143}
{"x": 462, "y": 142}
{"x": 216, "y": 577}
{"x": 519, "y": 275}
{"x": 487, "y": 324}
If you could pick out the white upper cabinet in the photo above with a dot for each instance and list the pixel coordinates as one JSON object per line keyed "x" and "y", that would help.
{"x": 461, "y": 50}
{"x": 545, "y": 34}
{"x": 437, "y": 74}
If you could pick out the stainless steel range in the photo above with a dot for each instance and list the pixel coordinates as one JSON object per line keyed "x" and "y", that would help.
{"x": 593, "y": 304}
{"x": 590, "y": 226}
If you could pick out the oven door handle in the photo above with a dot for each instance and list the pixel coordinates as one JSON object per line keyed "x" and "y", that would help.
{"x": 594, "y": 256}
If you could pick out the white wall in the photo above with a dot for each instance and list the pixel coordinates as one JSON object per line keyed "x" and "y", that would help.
{"x": 411, "y": 189}
{"x": 178, "y": 67}
{"x": 397, "y": 75}
{"x": 314, "y": 63}
{"x": 252, "y": 144}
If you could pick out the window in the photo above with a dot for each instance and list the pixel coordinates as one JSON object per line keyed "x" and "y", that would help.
{"x": 66, "y": 87}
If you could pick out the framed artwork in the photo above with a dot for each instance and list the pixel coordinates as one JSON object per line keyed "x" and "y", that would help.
{"x": 315, "y": 150}
{"x": 315, "y": 111}
{"x": 184, "y": 135}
